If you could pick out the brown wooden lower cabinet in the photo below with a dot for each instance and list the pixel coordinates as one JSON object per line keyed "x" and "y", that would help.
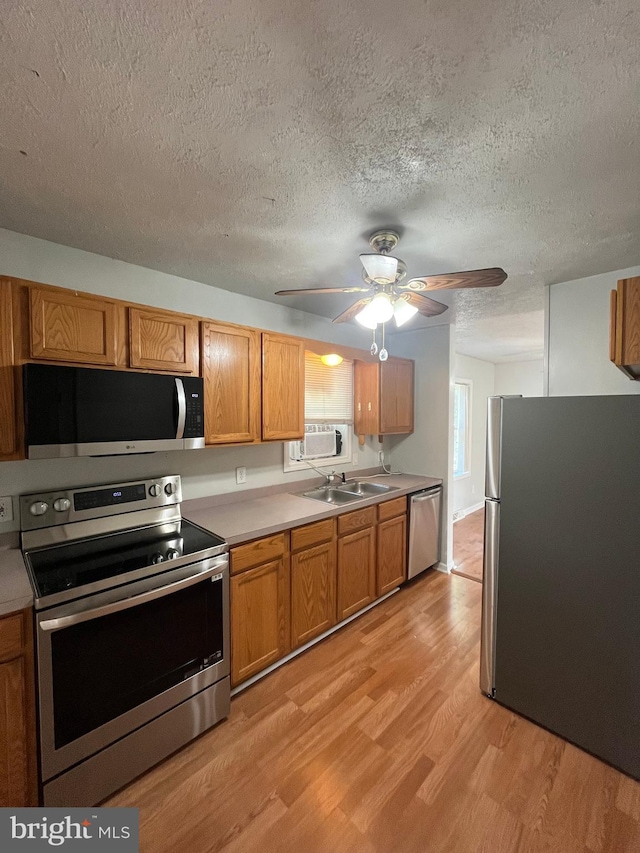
{"x": 18, "y": 774}
{"x": 356, "y": 571}
{"x": 259, "y": 618}
{"x": 313, "y": 592}
{"x": 289, "y": 588}
{"x": 392, "y": 554}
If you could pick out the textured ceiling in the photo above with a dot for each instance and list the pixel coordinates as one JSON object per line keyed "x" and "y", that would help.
{"x": 254, "y": 144}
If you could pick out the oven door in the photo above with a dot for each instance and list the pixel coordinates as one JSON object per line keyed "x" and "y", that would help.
{"x": 108, "y": 663}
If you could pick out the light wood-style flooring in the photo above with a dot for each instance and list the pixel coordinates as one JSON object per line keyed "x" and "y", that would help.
{"x": 468, "y": 539}
{"x": 378, "y": 740}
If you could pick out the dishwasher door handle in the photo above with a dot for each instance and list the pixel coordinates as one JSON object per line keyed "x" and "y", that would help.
{"x": 429, "y": 496}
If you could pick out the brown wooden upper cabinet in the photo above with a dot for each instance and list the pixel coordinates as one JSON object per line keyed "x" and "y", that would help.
{"x": 9, "y": 444}
{"x": 231, "y": 373}
{"x": 67, "y": 326}
{"x": 162, "y": 340}
{"x": 624, "y": 344}
{"x": 383, "y": 397}
{"x": 282, "y": 387}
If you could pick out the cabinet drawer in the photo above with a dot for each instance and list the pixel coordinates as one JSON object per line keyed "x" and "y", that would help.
{"x": 11, "y": 640}
{"x": 389, "y": 509}
{"x": 260, "y": 551}
{"x": 312, "y": 534}
{"x": 356, "y": 520}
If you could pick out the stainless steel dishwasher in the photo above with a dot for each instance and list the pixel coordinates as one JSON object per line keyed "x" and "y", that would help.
{"x": 424, "y": 530}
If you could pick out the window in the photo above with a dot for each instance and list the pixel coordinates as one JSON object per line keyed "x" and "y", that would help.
{"x": 328, "y": 391}
{"x": 328, "y": 416}
{"x": 461, "y": 428}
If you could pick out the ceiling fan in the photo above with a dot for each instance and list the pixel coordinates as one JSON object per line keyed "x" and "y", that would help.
{"x": 388, "y": 295}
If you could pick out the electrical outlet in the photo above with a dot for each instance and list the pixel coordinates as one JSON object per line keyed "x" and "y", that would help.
{"x": 6, "y": 509}
{"x": 473, "y": 490}
{"x": 241, "y": 475}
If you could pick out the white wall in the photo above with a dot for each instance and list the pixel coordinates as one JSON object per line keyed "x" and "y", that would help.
{"x": 204, "y": 472}
{"x": 578, "y": 337}
{"x": 468, "y": 491}
{"x": 429, "y": 449}
{"x": 519, "y": 377}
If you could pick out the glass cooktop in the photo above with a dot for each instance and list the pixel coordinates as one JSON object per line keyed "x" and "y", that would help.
{"x": 87, "y": 561}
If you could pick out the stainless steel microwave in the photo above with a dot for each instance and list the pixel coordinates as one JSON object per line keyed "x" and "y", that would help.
{"x": 79, "y": 411}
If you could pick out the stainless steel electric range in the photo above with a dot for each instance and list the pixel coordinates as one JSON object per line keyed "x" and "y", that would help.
{"x": 132, "y": 632}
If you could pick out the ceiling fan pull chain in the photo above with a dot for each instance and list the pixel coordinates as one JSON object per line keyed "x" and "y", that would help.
{"x": 374, "y": 346}
{"x": 384, "y": 355}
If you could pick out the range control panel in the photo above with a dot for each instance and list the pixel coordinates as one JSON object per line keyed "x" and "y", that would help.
{"x": 46, "y": 509}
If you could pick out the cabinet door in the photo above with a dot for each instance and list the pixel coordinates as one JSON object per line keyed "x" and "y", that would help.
{"x": 356, "y": 571}
{"x": 366, "y": 394}
{"x": 259, "y": 618}
{"x": 17, "y": 717}
{"x": 162, "y": 340}
{"x": 282, "y": 388}
{"x": 8, "y": 419}
{"x": 313, "y": 593}
{"x": 65, "y": 326}
{"x": 396, "y": 396}
{"x": 231, "y": 373}
{"x": 392, "y": 553}
{"x": 625, "y": 327}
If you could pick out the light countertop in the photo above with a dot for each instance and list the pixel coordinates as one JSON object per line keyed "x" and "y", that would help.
{"x": 15, "y": 586}
{"x": 242, "y": 521}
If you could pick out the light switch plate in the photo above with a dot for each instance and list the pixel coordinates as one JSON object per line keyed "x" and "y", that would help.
{"x": 6, "y": 509}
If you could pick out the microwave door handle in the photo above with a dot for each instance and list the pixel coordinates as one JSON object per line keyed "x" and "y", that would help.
{"x": 135, "y": 600}
{"x": 182, "y": 408}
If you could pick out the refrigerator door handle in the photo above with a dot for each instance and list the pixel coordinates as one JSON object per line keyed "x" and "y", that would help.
{"x": 494, "y": 442}
{"x": 489, "y": 597}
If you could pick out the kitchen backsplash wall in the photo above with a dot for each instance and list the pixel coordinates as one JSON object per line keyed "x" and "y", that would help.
{"x": 204, "y": 472}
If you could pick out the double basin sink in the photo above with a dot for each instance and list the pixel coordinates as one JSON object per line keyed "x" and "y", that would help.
{"x": 349, "y": 492}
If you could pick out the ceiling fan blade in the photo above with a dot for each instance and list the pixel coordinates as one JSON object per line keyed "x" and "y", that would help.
{"x": 351, "y": 312}
{"x": 315, "y": 290}
{"x": 450, "y": 281}
{"x": 426, "y": 306}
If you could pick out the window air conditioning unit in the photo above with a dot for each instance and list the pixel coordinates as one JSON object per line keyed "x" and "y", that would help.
{"x": 319, "y": 441}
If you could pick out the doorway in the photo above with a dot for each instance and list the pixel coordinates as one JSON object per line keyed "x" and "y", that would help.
{"x": 468, "y": 545}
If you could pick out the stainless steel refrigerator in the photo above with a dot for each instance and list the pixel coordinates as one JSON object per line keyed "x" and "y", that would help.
{"x": 561, "y": 594}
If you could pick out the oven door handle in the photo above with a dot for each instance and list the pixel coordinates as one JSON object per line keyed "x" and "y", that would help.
{"x": 134, "y": 600}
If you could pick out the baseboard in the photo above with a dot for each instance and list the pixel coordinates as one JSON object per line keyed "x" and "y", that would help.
{"x": 459, "y": 514}
{"x": 442, "y": 567}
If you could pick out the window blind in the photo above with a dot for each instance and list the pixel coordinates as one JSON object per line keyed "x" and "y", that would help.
{"x": 328, "y": 391}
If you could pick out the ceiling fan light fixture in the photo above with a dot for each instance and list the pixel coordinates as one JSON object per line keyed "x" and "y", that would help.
{"x": 380, "y": 268}
{"x": 365, "y": 317}
{"x": 403, "y": 311}
{"x": 381, "y": 308}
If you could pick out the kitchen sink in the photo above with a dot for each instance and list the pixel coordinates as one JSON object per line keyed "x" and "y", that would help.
{"x": 332, "y": 496}
{"x": 346, "y": 493}
{"x": 365, "y": 489}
